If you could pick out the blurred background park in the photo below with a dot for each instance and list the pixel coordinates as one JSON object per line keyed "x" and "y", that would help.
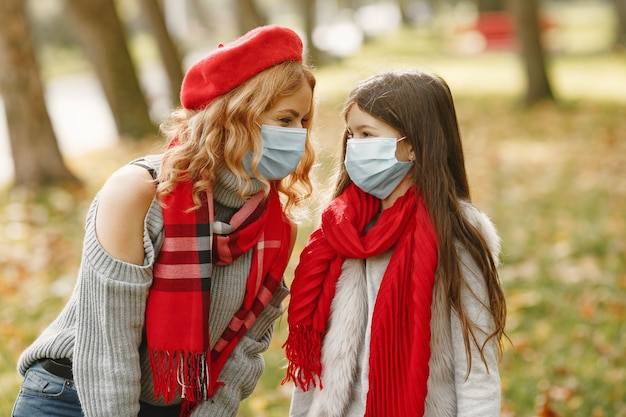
{"x": 540, "y": 89}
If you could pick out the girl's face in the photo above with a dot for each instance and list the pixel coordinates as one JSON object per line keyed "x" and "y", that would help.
{"x": 290, "y": 111}
{"x": 362, "y": 125}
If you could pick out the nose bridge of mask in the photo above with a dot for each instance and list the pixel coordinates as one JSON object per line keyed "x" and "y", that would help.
{"x": 375, "y": 148}
{"x": 372, "y": 165}
{"x": 282, "y": 150}
{"x": 283, "y": 138}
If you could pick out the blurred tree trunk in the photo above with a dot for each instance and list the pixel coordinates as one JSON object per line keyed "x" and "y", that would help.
{"x": 98, "y": 29}
{"x": 403, "y": 5}
{"x": 248, "y": 15}
{"x": 491, "y": 5}
{"x": 201, "y": 16}
{"x": 347, "y": 4}
{"x": 315, "y": 56}
{"x": 170, "y": 56}
{"x": 526, "y": 13}
{"x": 36, "y": 156}
{"x": 620, "y": 35}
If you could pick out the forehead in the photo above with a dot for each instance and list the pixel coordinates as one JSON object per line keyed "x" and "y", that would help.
{"x": 357, "y": 118}
{"x": 300, "y": 101}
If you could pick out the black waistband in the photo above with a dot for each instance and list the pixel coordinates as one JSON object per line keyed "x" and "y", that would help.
{"x": 59, "y": 367}
{"x": 149, "y": 410}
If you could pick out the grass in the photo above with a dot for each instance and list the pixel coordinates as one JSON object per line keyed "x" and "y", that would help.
{"x": 551, "y": 177}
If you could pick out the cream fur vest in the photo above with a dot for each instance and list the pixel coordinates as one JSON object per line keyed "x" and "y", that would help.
{"x": 347, "y": 328}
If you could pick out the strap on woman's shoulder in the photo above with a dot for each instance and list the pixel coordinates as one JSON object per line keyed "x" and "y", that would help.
{"x": 144, "y": 163}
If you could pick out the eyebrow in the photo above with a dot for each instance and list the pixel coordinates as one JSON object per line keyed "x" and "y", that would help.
{"x": 364, "y": 126}
{"x": 293, "y": 112}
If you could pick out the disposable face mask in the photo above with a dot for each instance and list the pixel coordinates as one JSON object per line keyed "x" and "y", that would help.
{"x": 283, "y": 148}
{"x": 373, "y": 167}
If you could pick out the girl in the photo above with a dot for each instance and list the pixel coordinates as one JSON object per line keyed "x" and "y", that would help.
{"x": 182, "y": 268}
{"x": 396, "y": 307}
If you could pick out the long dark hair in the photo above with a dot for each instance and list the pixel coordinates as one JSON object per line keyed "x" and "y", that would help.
{"x": 420, "y": 106}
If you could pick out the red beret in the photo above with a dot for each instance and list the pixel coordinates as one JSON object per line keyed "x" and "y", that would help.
{"x": 234, "y": 63}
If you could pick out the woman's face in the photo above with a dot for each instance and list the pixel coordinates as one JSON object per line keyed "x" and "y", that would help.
{"x": 362, "y": 125}
{"x": 290, "y": 111}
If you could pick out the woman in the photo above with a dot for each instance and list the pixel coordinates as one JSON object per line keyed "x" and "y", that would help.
{"x": 182, "y": 268}
{"x": 396, "y": 307}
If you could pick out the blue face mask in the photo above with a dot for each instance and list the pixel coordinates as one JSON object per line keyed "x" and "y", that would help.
{"x": 283, "y": 148}
{"x": 373, "y": 167}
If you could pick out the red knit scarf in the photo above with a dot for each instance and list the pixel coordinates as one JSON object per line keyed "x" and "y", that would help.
{"x": 400, "y": 337}
{"x": 177, "y": 311}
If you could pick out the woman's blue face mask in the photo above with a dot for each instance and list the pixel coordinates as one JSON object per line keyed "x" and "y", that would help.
{"x": 373, "y": 167}
{"x": 283, "y": 148}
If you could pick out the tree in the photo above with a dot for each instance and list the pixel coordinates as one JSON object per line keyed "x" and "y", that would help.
{"x": 248, "y": 15}
{"x": 98, "y": 29}
{"x": 620, "y": 33}
{"x": 315, "y": 56}
{"x": 36, "y": 155}
{"x": 170, "y": 56}
{"x": 491, "y": 5}
{"x": 526, "y": 13}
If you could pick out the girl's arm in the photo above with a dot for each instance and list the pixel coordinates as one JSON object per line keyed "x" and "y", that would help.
{"x": 478, "y": 393}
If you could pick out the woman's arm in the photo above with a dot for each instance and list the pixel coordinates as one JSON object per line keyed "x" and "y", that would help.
{"x": 245, "y": 364}
{"x": 115, "y": 277}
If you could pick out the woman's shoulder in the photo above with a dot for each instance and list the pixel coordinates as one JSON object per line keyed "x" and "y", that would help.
{"x": 123, "y": 203}
{"x": 484, "y": 225}
{"x": 129, "y": 186}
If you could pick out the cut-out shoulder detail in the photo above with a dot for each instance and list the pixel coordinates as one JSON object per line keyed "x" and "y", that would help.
{"x": 147, "y": 165}
{"x": 123, "y": 203}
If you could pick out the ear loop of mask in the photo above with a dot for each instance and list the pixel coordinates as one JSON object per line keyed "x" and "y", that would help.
{"x": 411, "y": 153}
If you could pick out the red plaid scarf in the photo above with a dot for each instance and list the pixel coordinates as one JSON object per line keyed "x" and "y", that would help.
{"x": 400, "y": 338}
{"x": 177, "y": 311}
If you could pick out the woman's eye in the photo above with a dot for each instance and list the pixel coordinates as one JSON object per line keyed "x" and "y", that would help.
{"x": 286, "y": 120}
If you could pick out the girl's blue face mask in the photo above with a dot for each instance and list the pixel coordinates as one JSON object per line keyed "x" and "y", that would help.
{"x": 283, "y": 148}
{"x": 372, "y": 165}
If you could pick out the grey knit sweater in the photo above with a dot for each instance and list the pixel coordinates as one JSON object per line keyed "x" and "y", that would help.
{"x": 101, "y": 328}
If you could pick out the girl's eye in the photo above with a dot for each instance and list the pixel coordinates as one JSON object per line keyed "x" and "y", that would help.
{"x": 286, "y": 120}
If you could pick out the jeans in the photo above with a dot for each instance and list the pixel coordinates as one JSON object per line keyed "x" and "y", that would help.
{"x": 46, "y": 395}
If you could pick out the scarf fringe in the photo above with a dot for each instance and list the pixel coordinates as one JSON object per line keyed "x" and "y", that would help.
{"x": 184, "y": 373}
{"x": 303, "y": 351}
